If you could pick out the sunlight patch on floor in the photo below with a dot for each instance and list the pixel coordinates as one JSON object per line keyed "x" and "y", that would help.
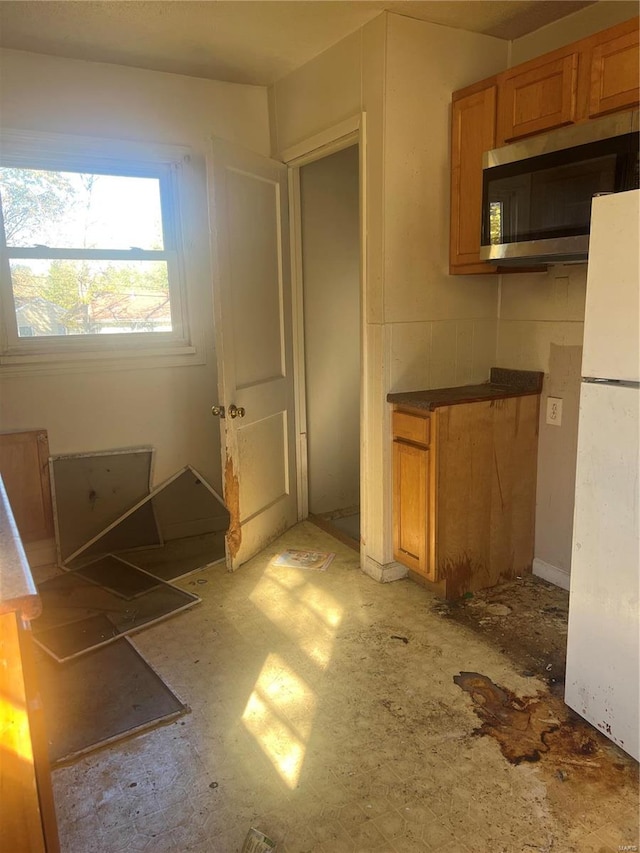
{"x": 268, "y": 716}
{"x": 281, "y": 709}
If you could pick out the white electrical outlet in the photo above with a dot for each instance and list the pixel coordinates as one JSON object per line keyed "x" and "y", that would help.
{"x": 554, "y": 411}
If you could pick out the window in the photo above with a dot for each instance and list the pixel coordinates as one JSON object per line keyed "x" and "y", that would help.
{"x": 89, "y": 248}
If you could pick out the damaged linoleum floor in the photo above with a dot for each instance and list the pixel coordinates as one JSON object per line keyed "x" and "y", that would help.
{"x": 324, "y": 712}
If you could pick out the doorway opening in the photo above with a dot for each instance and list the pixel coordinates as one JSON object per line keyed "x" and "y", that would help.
{"x": 331, "y": 323}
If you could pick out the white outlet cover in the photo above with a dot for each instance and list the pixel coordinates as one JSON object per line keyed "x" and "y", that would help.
{"x": 554, "y": 411}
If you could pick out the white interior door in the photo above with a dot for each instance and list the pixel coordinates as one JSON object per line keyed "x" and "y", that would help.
{"x": 252, "y": 304}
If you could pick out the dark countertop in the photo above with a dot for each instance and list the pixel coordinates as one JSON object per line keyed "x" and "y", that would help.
{"x": 502, "y": 383}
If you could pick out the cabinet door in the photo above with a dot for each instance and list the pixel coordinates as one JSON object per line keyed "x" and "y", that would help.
{"x": 473, "y": 131}
{"x": 410, "y": 506}
{"x": 537, "y": 98}
{"x": 24, "y": 466}
{"x": 615, "y": 74}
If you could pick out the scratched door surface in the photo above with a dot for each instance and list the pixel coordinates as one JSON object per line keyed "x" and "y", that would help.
{"x": 252, "y": 302}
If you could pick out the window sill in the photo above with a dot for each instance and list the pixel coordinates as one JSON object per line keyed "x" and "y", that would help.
{"x": 23, "y": 364}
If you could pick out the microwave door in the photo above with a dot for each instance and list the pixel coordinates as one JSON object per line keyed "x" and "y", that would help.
{"x": 539, "y": 207}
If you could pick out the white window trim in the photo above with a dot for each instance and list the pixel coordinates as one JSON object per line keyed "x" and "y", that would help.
{"x": 30, "y": 149}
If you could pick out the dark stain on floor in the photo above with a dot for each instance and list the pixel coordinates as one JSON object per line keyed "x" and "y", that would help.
{"x": 521, "y": 726}
{"x": 541, "y": 728}
{"x": 525, "y": 619}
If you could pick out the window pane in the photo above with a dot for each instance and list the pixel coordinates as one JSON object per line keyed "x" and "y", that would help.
{"x": 61, "y": 297}
{"x": 69, "y": 210}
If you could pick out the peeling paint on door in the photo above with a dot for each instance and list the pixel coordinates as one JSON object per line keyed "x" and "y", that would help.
{"x": 232, "y": 500}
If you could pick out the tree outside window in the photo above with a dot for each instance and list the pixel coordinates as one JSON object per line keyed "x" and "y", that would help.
{"x": 87, "y": 253}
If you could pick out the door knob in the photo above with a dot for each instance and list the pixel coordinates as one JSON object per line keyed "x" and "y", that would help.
{"x": 236, "y": 411}
{"x": 217, "y": 411}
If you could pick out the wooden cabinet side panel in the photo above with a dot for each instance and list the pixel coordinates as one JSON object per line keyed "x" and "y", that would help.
{"x": 24, "y": 467}
{"x": 486, "y": 487}
{"x": 615, "y": 74}
{"x": 472, "y": 133}
{"x": 513, "y": 486}
{"x": 410, "y": 519}
{"x": 464, "y": 459}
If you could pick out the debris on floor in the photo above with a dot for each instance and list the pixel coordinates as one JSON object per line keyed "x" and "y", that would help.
{"x": 325, "y": 734}
{"x": 91, "y": 490}
{"x": 101, "y": 697}
{"x": 257, "y": 842}
{"x": 121, "y": 546}
{"x": 80, "y": 613}
{"x": 296, "y": 558}
{"x": 526, "y": 619}
{"x": 177, "y": 528}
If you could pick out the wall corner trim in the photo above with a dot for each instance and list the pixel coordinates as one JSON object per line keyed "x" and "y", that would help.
{"x": 559, "y": 577}
{"x": 383, "y": 572}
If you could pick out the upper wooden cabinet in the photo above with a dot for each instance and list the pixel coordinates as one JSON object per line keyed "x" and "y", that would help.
{"x": 574, "y": 84}
{"x": 538, "y": 98}
{"x": 614, "y": 72}
{"x": 473, "y": 131}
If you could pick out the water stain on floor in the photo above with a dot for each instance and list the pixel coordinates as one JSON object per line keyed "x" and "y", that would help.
{"x": 541, "y": 728}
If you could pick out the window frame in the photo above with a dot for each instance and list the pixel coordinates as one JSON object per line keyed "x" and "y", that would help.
{"x": 57, "y": 152}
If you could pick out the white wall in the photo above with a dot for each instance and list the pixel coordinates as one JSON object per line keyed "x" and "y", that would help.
{"x": 442, "y": 328}
{"x": 89, "y": 408}
{"x": 331, "y": 269}
{"x": 421, "y": 326}
{"x": 541, "y": 328}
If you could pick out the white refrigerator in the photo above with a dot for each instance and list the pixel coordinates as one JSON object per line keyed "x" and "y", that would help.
{"x": 603, "y": 654}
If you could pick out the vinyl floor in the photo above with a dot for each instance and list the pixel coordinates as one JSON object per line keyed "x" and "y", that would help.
{"x": 325, "y": 713}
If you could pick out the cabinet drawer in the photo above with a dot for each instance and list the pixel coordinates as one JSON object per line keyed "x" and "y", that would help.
{"x": 411, "y": 427}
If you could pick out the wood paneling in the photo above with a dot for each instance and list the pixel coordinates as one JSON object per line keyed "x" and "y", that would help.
{"x": 24, "y": 465}
{"x": 473, "y": 131}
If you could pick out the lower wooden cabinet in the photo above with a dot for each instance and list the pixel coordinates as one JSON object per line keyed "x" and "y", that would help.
{"x": 464, "y": 499}
{"x": 411, "y": 506}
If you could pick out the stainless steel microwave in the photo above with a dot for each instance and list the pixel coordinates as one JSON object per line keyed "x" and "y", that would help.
{"x": 536, "y": 198}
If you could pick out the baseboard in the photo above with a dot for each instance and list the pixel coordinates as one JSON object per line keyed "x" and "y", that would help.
{"x": 383, "y": 572}
{"x": 41, "y": 553}
{"x": 559, "y": 577}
